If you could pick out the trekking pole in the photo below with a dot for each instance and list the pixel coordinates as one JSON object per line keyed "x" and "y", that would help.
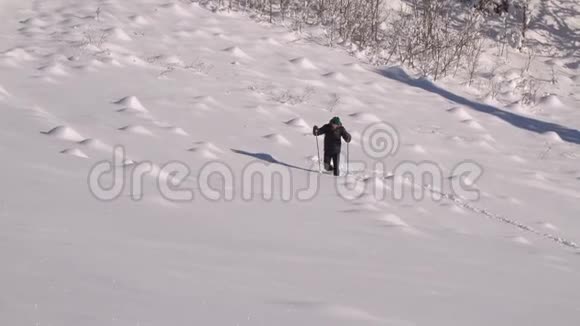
{"x": 318, "y": 151}
{"x": 347, "y": 157}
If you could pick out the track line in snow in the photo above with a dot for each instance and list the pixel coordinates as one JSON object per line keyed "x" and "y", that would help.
{"x": 503, "y": 219}
{"x": 491, "y": 215}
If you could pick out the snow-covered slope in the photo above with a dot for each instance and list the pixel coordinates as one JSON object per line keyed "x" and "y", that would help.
{"x": 173, "y": 82}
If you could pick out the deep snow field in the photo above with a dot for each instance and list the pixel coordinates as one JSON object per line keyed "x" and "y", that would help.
{"x": 174, "y": 82}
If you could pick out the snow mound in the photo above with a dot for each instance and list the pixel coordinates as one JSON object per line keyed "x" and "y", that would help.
{"x": 513, "y": 200}
{"x": 552, "y": 136}
{"x": 517, "y": 158}
{"x": 417, "y": 148}
{"x": 537, "y": 175}
{"x": 132, "y": 59}
{"x": 355, "y": 66}
{"x": 279, "y": 139}
{"x": 511, "y": 74}
{"x": 221, "y": 36}
{"x": 184, "y": 34}
{"x": 297, "y": 122}
{"x": 485, "y": 145}
{"x": 161, "y": 124}
{"x": 349, "y": 101}
{"x": 109, "y": 61}
{"x": 311, "y": 158}
{"x": 167, "y": 60}
{"x": 489, "y": 99}
{"x": 209, "y": 146}
{"x": 259, "y": 109}
{"x": 17, "y": 54}
{"x": 206, "y": 99}
{"x": 204, "y": 153}
{"x": 236, "y": 52}
{"x": 472, "y": 124}
{"x": 55, "y": 69}
{"x": 88, "y": 68}
{"x": 288, "y": 36}
{"x": 139, "y": 20}
{"x": 375, "y": 86}
{"x": 56, "y": 57}
{"x": 549, "y": 226}
{"x": 487, "y": 137}
{"x": 34, "y": 21}
{"x": 143, "y": 115}
{"x": 118, "y": 34}
{"x": 303, "y": 63}
{"x": 173, "y": 60}
{"x": 464, "y": 179}
{"x": 364, "y": 117}
{"x": 392, "y": 220}
{"x": 270, "y": 41}
{"x": 375, "y": 183}
{"x": 177, "y": 130}
{"x": 457, "y": 209}
{"x": 131, "y": 103}
{"x": 66, "y": 22}
{"x": 128, "y": 163}
{"x": 92, "y": 143}
{"x": 31, "y": 31}
{"x": 136, "y": 129}
{"x": 96, "y": 63}
{"x": 206, "y": 150}
{"x": 3, "y": 93}
{"x": 521, "y": 240}
{"x": 516, "y": 107}
{"x": 176, "y": 9}
{"x": 335, "y": 76}
{"x": 551, "y": 101}
{"x": 74, "y": 152}
{"x": 199, "y": 33}
{"x": 460, "y": 113}
{"x": 64, "y": 133}
{"x": 362, "y": 208}
{"x": 554, "y": 62}
{"x": 202, "y": 107}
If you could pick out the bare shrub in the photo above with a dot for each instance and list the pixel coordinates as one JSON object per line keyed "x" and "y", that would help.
{"x": 200, "y": 67}
{"x": 529, "y": 88}
{"x": 94, "y": 38}
{"x": 334, "y": 102}
{"x": 291, "y": 97}
{"x": 433, "y": 36}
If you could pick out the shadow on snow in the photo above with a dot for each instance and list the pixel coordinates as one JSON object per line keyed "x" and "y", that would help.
{"x": 269, "y": 159}
{"x": 526, "y": 123}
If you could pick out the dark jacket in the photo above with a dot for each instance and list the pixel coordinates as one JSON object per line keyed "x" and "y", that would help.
{"x": 332, "y": 137}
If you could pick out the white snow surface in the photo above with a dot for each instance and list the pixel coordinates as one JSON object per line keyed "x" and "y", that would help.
{"x": 173, "y": 82}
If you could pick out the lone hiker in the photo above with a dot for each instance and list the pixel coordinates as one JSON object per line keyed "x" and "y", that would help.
{"x": 333, "y": 132}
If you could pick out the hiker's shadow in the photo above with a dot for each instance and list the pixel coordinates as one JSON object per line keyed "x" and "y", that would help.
{"x": 269, "y": 159}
